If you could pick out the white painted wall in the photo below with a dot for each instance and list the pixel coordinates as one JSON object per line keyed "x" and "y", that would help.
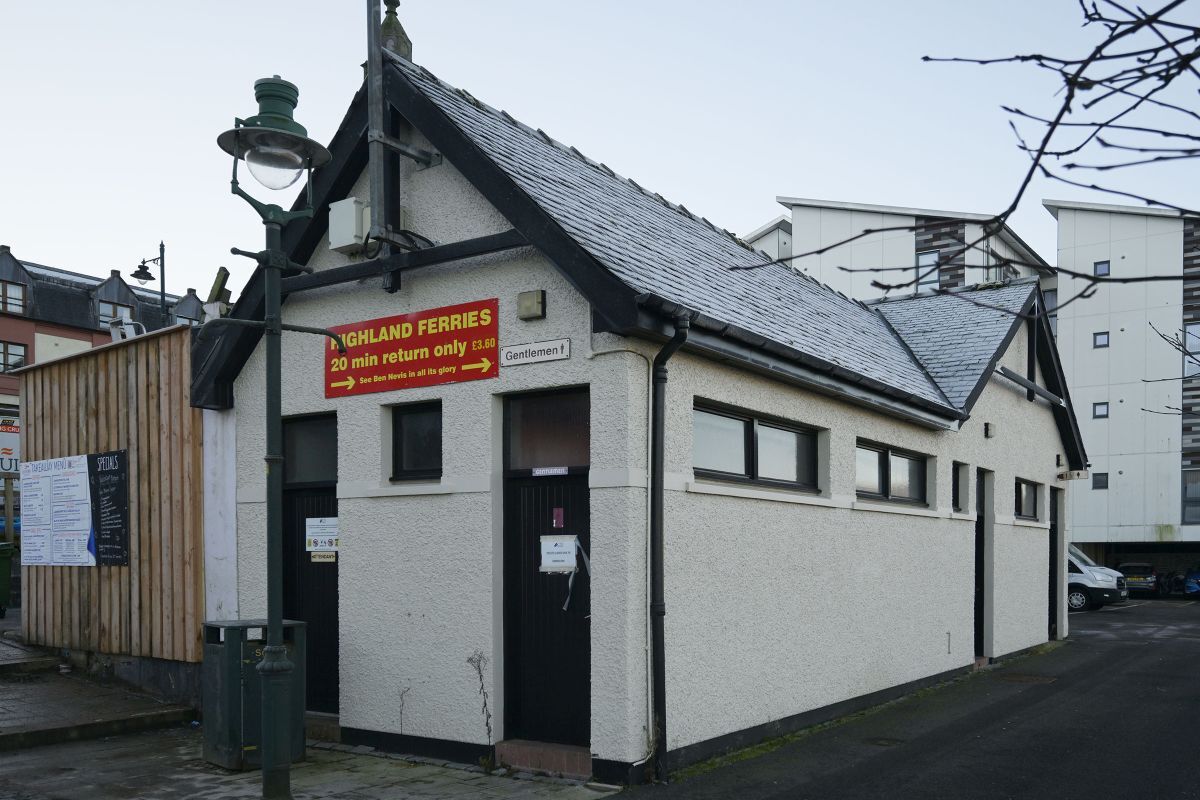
{"x": 1139, "y": 450}
{"x": 420, "y": 567}
{"x": 779, "y": 603}
{"x": 220, "y": 515}
{"x": 47, "y": 347}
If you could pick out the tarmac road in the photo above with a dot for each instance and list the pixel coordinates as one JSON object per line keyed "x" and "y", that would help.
{"x": 1114, "y": 712}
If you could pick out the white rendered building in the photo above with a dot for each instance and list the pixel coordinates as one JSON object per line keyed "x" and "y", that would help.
{"x": 1142, "y": 502}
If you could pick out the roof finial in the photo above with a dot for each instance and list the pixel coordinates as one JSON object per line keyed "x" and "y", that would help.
{"x": 393, "y": 35}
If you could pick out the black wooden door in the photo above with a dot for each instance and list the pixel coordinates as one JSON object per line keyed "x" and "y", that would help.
{"x": 1052, "y": 589}
{"x": 547, "y": 648}
{"x": 981, "y": 507}
{"x": 310, "y": 593}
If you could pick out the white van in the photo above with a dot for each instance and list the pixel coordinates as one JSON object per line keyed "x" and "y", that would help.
{"x": 1090, "y": 585}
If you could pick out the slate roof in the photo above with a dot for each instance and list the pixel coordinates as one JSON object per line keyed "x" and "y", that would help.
{"x": 662, "y": 249}
{"x": 958, "y": 337}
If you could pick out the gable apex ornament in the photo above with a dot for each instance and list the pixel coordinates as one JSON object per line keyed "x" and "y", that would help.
{"x": 393, "y": 34}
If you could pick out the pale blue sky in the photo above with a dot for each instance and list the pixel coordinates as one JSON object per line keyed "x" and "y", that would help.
{"x": 111, "y": 110}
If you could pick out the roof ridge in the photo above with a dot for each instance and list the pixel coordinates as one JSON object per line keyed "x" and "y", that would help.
{"x": 602, "y": 168}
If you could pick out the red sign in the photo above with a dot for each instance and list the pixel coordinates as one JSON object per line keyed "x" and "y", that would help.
{"x": 425, "y": 348}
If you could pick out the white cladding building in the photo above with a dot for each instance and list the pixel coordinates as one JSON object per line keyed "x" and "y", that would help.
{"x": 828, "y": 471}
{"x": 1141, "y": 501}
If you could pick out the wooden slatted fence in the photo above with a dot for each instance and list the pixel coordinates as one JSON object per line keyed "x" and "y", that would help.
{"x": 133, "y": 396}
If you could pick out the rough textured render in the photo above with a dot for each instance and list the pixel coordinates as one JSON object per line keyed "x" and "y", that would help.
{"x": 957, "y": 336}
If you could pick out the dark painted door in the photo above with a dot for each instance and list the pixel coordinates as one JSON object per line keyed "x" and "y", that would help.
{"x": 1053, "y": 589}
{"x": 310, "y": 588}
{"x": 547, "y": 627}
{"x": 981, "y": 506}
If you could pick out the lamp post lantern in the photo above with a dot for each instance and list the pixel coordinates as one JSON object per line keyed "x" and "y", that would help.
{"x": 143, "y": 276}
{"x": 277, "y": 152}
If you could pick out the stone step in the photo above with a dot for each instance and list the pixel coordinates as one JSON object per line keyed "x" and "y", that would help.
{"x": 563, "y": 760}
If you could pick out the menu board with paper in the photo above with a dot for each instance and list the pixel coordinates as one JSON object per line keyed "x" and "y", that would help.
{"x": 74, "y": 509}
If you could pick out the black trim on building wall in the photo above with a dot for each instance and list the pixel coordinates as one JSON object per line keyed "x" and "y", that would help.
{"x": 747, "y": 737}
{"x": 462, "y": 752}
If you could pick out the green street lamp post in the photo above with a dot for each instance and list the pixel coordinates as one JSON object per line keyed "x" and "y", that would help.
{"x": 143, "y": 276}
{"x": 277, "y": 152}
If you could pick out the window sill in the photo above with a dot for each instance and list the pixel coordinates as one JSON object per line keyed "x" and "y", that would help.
{"x": 895, "y": 508}
{"x": 1019, "y": 522}
{"x": 758, "y": 492}
{"x": 962, "y": 515}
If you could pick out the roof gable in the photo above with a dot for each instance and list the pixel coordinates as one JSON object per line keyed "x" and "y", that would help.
{"x": 660, "y": 249}
{"x": 959, "y": 336}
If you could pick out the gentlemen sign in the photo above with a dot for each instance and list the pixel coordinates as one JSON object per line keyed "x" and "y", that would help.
{"x": 426, "y": 348}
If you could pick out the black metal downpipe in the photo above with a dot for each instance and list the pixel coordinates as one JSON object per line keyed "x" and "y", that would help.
{"x": 658, "y": 603}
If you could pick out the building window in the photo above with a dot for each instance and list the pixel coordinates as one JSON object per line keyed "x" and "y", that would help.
{"x": 12, "y": 356}
{"x": 1191, "y": 497}
{"x": 958, "y": 487}
{"x": 1051, "y": 298}
{"x": 1191, "y": 347}
{"x": 1100, "y": 269}
{"x": 417, "y": 441}
{"x": 730, "y": 445}
{"x": 927, "y": 270}
{"x": 110, "y": 311}
{"x": 12, "y": 297}
{"x": 887, "y": 474}
{"x": 1100, "y": 410}
{"x": 1099, "y": 480}
{"x": 1027, "y": 499}
{"x": 1100, "y": 339}
{"x": 181, "y": 319}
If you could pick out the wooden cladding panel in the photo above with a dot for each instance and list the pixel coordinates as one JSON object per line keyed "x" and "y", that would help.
{"x": 129, "y": 396}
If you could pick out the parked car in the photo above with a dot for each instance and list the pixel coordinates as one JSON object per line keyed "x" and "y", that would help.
{"x": 1143, "y": 577}
{"x": 1090, "y": 585}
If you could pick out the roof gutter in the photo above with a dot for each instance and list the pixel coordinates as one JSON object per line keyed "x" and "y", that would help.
{"x": 746, "y": 350}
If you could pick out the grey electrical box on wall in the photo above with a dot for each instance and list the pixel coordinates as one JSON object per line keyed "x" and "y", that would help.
{"x": 349, "y": 223}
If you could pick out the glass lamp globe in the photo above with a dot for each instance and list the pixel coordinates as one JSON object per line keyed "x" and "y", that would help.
{"x": 274, "y": 167}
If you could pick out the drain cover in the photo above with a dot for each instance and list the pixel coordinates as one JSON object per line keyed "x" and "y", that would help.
{"x": 1024, "y": 677}
{"x": 883, "y": 741}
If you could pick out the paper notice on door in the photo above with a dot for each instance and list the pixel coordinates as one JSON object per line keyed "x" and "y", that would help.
{"x": 558, "y": 554}
{"x": 321, "y": 535}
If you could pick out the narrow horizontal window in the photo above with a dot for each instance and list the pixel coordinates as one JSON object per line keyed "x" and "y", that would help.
{"x": 884, "y": 473}
{"x": 417, "y": 441}
{"x": 1026, "y": 499}
{"x": 113, "y": 311}
{"x": 1100, "y": 410}
{"x": 1099, "y": 480}
{"x": 1100, "y": 268}
{"x": 1100, "y": 339}
{"x": 958, "y": 486}
{"x": 730, "y": 445}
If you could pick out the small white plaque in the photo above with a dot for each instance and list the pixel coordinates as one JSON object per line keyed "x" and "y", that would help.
{"x": 558, "y": 554}
{"x": 541, "y": 472}
{"x": 532, "y": 353}
{"x": 321, "y": 534}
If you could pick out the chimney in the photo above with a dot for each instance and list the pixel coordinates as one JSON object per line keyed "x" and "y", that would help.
{"x": 116, "y": 273}
{"x": 392, "y": 32}
{"x": 5, "y": 249}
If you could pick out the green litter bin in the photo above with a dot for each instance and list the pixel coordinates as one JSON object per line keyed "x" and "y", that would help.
{"x": 231, "y": 691}
{"x": 6, "y": 556}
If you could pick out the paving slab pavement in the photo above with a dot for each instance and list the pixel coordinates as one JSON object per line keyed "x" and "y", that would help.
{"x": 167, "y": 765}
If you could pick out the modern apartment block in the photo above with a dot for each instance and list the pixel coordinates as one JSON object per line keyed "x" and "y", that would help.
{"x": 1137, "y": 397}
{"x": 898, "y": 237}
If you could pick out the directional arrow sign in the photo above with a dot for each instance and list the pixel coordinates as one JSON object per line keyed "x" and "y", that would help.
{"x": 484, "y": 365}
{"x": 424, "y": 348}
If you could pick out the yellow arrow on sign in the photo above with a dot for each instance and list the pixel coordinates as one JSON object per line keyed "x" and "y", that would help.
{"x": 347, "y": 384}
{"x": 482, "y": 366}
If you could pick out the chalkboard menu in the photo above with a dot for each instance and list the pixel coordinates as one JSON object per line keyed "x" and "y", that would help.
{"x": 108, "y": 479}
